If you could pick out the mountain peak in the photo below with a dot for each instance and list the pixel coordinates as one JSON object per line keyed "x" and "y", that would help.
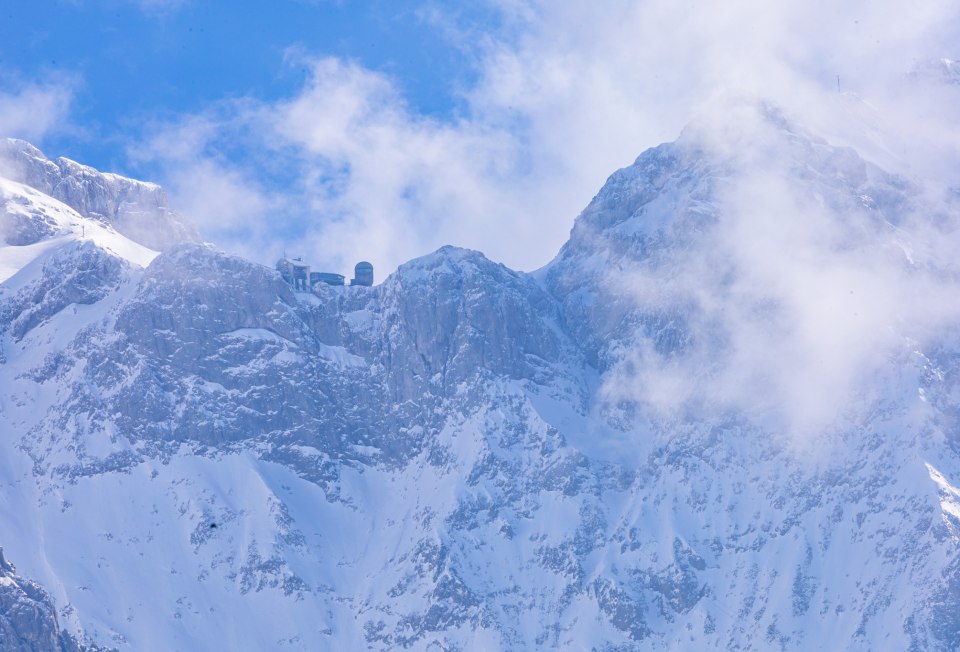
{"x": 672, "y": 192}
{"x": 136, "y": 209}
{"x": 449, "y": 259}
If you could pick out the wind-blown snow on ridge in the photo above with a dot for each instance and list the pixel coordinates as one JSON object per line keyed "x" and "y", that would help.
{"x": 725, "y": 417}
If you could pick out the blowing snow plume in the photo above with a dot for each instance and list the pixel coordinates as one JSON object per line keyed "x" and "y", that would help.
{"x": 762, "y": 270}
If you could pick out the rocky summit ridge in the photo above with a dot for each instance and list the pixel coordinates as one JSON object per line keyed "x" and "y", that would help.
{"x": 134, "y": 208}
{"x": 699, "y": 427}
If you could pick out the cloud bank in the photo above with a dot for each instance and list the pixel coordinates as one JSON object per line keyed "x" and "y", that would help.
{"x": 561, "y": 96}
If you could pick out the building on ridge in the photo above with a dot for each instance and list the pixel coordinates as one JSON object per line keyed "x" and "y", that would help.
{"x": 295, "y": 272}
{"x": 362, "y": 274}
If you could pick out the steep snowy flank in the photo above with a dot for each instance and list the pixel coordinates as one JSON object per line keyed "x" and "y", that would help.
{"x": 34, "y": 224}
{"x": 725, "y": 417}
{"x": 136, "y": 209}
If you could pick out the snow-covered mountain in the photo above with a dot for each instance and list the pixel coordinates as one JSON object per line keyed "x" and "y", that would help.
{"x": 726, "y": 416}
{"x": 134, "y": 208}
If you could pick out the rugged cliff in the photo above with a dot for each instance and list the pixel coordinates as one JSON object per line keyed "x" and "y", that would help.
{"x": 134, "y": 208}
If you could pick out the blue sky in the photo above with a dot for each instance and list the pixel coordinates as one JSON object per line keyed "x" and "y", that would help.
{"x": 353, "y": 129}
{"x": 132, "y": 62}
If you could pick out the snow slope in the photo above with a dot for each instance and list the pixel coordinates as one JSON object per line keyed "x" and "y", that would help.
{"x": 28, "y": 619}
{"x": 35, "y": 223}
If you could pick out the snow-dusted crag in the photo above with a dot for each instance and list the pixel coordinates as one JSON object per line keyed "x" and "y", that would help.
{"x": 700, "y": 427}
{"x": 28, "y": 619}
{"x": 134, "y": 208}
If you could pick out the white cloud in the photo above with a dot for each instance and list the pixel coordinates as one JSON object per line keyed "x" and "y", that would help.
{"x": 565, "y": 94}
{"x": 159, "y": 6}
{"x": 386, "y": 184}
{"x": 223, "y": 199}
{"x": 31, "y": 111}
{"x": 801, "y": 294}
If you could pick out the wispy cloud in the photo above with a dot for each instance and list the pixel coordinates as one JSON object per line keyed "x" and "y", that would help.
{"x": 813, "y": 274}
{"x": 364, "y": 176}
{"x": 385, "y": 181}
{"x": 213, "y": 189}
{"x": 33, "y": 110}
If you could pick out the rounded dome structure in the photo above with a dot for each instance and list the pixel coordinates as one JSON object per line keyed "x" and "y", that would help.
{"x": 362, "y": 274}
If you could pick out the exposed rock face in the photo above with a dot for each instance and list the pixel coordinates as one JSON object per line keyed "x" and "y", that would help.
{"x": 78, "y": 274}
{"x": 134, "y": 208}
{"x": 609, "y": 454}
{"x": 28, "y": 619}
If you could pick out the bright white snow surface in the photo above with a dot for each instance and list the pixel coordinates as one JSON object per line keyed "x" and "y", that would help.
{"x": 18, "y": 201}
{"x": 727, "y": 416}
